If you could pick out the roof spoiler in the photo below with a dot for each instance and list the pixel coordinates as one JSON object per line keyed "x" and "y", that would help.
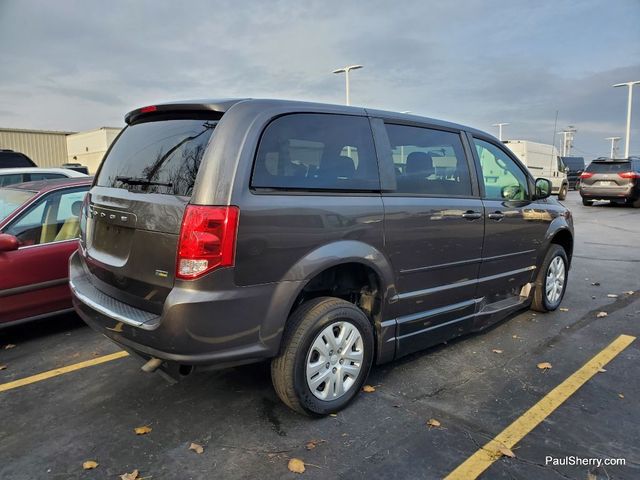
{"x": 209, "y": 108}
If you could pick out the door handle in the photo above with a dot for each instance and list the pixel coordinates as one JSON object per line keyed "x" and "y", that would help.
{"x": 471, "y": 215}
{"x": 496, "y": 216}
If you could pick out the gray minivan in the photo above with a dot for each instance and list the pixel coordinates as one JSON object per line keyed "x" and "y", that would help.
{"x": 323, "y": 237}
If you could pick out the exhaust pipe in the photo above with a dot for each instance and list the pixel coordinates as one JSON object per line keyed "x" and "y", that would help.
{"x": 151, "y": 365}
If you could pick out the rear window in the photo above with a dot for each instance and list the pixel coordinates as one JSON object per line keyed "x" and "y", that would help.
{"x": 157, "y": 157}
{"x": 608, "y": 167}
{"x": 11, "y": 199}
{"x": 311, "y": 151}
{"x": 14, "y": 159}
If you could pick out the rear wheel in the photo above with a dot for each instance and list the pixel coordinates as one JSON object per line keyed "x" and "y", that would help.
{"x": 326, "y": 356}
{"x": 562, "y": 194}
{"x": 587, "y": 203}
{"x": 551, "y": 281}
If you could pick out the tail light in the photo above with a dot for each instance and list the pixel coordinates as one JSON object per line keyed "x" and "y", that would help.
{"x": 629, "y": 175}
{"x": 207, "y": 240}
{"x": 586, "y": 175}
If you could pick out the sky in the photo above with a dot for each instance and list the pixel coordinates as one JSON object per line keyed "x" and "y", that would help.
{"x": 79, "y": 65}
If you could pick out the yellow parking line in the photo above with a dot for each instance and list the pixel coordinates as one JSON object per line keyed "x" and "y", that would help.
{"x": 60, "y": 371}
{"x": 489, "y": 453}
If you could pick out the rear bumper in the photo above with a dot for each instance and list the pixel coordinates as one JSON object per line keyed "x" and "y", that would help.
{"x": 231, "y": 325}
{"x": 608, "y": 193}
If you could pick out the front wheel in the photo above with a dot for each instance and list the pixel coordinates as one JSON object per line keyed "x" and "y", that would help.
{"x": 551, "y": 281}
{"x": 562, "y": 194}
{"x": 587, "y": 203}
{"x": 325, "y": 358}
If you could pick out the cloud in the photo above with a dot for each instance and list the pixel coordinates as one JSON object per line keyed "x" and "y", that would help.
{"x": 78, "y": 65}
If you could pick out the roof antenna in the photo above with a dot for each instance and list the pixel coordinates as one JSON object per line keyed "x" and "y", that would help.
{"x": 555, "y": 129}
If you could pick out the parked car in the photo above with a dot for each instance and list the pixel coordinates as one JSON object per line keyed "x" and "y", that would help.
{"x": 11, "y": 159}
{"x": 575, "y": 167}
{"x": 10, "y": 176}
{"x": 78, "y": 167}
{"x": 614, "y": 180}
{"x": 39, "y": 224}
{"x": 543, "y": 161}
{"x": 186, "y": 254}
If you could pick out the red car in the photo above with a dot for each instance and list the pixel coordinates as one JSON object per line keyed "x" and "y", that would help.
{"x": 39, "y": 226}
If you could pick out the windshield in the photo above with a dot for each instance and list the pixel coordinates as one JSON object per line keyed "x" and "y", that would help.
{"x": 157, "y": 157}
{"x": 608, "y": 167}
{"x": 11, "y": 199}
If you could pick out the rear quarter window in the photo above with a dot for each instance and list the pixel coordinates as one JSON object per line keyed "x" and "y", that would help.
{"x": 157, "y": 157}
{"x": 317, "y": 152}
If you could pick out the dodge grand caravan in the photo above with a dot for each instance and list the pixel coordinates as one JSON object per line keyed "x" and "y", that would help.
{"x": 323, "y": 237}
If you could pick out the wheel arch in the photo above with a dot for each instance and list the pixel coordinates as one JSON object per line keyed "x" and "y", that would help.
{"x": 350, "y": 261}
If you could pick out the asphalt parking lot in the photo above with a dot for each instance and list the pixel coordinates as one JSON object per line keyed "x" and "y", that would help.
{"x": 474, "y": 387}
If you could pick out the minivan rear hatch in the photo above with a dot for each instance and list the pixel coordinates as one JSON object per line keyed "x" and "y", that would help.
{"x": 135, "y": 208}
{"x": 607, "y": 174}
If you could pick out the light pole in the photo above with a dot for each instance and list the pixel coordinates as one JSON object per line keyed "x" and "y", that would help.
{"x": 614, "y": 146}
{"x": 628, "y": 134}
{"x": 346, "y": 71}
{"x": 567, "y": 140}
{"x": 500, "y": 125}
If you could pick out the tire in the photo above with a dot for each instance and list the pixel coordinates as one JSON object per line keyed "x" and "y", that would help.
{"x": 542, "y": 302}
{"x": 587, "y": 203}
{"x": 306, "y": 327}
{"x": 635, "y": 203}
{"x": 562, "y": 194}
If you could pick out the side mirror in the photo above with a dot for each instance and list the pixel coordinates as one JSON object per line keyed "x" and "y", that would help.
{"x": 543, "y": 188}
{"x": 8, "y": 242}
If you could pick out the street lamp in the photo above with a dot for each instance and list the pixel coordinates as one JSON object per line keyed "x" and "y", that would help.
{"x": 346, "y": 71}
{"x": 614, "y": 145}
{"x": 626, "y": 139}
{"x": 499, "y": 125}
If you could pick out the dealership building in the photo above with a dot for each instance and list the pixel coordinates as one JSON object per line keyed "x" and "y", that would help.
{"x": 53, "y": 148}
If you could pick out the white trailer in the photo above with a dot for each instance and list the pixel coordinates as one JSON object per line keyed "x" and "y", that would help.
{"x": 543, "y": 161}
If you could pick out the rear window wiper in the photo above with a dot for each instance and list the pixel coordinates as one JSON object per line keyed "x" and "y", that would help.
{"x": 142, "y": 181}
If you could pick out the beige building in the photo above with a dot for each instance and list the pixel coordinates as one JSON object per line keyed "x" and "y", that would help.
{"x": 89, "y": 147}
{"x": 46, "y": 148}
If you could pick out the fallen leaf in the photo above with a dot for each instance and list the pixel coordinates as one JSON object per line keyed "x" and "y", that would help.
{"x": 313, "y": 444}
{"x": 117, "y": 328}
{"x": 296, "y": 465}
{"x": 130, "y": 476}
{"x": 621, "y": 395}
{"x": 601, "y": 370}
{"x": 591, "y": 476}
{"x": 368, "y": 389}
{"x": 630, "y": 292}
{"x": 333, "y": 414}
{"x": 9, "y": 346}
{"x": 196, "y": 448}
{"x": 612, "y": 295}
{"x": 90, "y": 464}
{"x": 564, "y": 309}
{"x": 142, "y": 430}
{"x": 496, "y": 350}
{"x": 3, "y": 367}
{"x": 544, "y": 366}
{"x": 506, "y": 452}
{"x": 515, "y": 336}
{"x": 596, "y": 284}
{"x": 601, "y": 314}
{"x": 432, "y": 422}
